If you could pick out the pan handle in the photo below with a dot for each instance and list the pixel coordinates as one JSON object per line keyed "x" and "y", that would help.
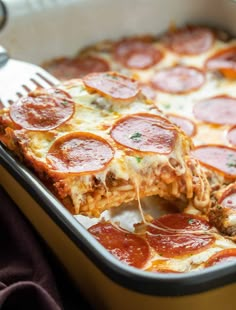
{"x": 3, "y": 14}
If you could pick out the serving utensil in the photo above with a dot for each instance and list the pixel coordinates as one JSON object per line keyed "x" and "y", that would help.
{"x": 18, "y": 78}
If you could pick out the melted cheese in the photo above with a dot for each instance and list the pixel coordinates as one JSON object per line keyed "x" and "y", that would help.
{"x": 182, "y": 104}
{"x": 129, "y": 215}
{"x": 96, "y": 114}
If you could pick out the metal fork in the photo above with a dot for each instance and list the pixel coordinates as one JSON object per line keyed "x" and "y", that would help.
{"x": 18, "y": 78}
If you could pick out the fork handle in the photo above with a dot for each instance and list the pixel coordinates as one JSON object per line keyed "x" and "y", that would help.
{"x": 4, "y": 57}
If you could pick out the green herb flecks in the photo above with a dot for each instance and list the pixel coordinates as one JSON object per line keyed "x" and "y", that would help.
{"x": 231, "y": 164}
{"x": 136, "y": 137}
{"x": 191, "y": 221}
{"x": 112, "y": 76}
{"x": 231, "y": 161}
{"x": 139, "y": 159}
{"x": 64, "y": 102}
{"x": 166, "y": 106}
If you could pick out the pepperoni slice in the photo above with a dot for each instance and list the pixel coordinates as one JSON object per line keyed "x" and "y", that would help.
{"x": 79, "y": 152}
{"x": 179, "y": 234}
{"x": 70, "y": 68}
{"x": 224, "y": 61}
{"x": 224, "y": 256}
{"x": 178, "y": 80}
{"x": 42, "y": 110}
{"x": 231, "y": 135}
{"x": 228, "y": 198}
{"x": 113, "y": 85}
{"x": 218, "y": 157}
{"x": 184, "y": 123}
{"x": 219, "y": 110}
{"x": 127, "y": 247}
{"x": 145, "y": 133}
{"x": 189, "y": 40}
{"x": 137, "y": 53}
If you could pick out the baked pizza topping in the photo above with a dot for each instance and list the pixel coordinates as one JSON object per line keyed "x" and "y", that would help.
{"x": 231, "y": 135}
{"x": 216, "y": 110}
{"x": 42, "y": 110}
{"x": 224, "y": 256}
{"x": 179, "y": 234}
{"x": 109, "y": 152}
{"x": 222, "y": 213}
{"x": 228, "y": 198}
{"x": 189, "y": 40}
{"x": 137, "y": 53}
{"x": 224, "y": 61}
{"x": 98, "y": 152}
{"x": 145, "y": 133}
{"x": 178, "y": 80}
{"x": 79, "y": 152}
{"x": 184, "y": 123}
{"x": 217, "y": 157}
{"x": 127, "y": 247}
{"x": 65, "y": 68}
{"x": 112, "y": 84}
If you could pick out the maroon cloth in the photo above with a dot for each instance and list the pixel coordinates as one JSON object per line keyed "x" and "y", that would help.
{"x": 26, "y": 280}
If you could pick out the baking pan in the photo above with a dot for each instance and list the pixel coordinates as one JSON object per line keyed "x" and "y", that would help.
{"x": 65, "y": 27}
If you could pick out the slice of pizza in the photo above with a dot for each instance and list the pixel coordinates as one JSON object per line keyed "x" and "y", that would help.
{"x": 97, "y": 142}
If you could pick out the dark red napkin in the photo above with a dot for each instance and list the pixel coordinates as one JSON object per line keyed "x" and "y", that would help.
{"x": 26, "y": 280}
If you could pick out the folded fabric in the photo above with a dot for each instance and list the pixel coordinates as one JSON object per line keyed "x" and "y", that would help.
{"x": 26, "y": 280}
